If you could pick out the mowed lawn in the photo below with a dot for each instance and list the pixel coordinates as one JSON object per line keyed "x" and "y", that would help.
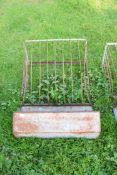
{"x": 95, "y": 20}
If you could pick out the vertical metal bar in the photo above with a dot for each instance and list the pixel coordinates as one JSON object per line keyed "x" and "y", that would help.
{"x": 86, "y": 57}
{"x": 55, "y": 70}
{"x": 113, "y": 69}
{"x": 104, "y": 64}
{"x": 115, "y": 46}
{"x": 105, "y": 68}
{"x": 115, "y": 80}
{"x": 116, "y": 67}
{"x": 72, "y": 86}
{"x": 63, "y": 72}
{"x": 47, "y": 77}
{"x": 40, "y": 72}
{"x": 86, "y": 70}
{"x": 104, "y": 55}
{"x": 79, "y": 59}
{"x": 25, "y": 75}
{"x": 109, "y": 71}
{"x": 31, "y": 57}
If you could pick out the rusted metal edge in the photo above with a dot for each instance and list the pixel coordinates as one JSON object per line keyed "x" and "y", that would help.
{"x": 57, "y": 62}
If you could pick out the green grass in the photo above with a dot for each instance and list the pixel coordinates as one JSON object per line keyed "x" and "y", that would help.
{"x": 40, "y": 19}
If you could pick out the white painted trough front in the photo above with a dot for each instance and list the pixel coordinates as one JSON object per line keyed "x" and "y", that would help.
{"x": 61, "y": 124}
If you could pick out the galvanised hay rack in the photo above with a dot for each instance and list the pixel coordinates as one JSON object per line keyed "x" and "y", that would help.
{"x": 109, "y": 64}
{"x": 55, "y": 92}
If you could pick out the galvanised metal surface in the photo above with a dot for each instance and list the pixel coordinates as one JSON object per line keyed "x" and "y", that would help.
{"x": 115, "y": 112}
{"x": 61, "y": 108}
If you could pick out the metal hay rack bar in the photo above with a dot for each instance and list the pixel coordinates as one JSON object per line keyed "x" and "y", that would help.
{"x": 55, "y": 72}
{"x": 109, "y": 63}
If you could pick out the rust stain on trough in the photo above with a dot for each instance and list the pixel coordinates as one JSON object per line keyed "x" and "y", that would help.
{"x": 78, "y": 124}
{"x": 88, "y": 118}
{"x": 22, "y": 125}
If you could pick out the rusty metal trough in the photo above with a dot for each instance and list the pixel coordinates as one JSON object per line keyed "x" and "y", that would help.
{"x": 55, "y": 96}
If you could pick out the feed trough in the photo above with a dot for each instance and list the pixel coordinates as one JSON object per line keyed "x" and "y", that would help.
{"x": 109, "y": 63}
{"x": 55, "y": 96}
